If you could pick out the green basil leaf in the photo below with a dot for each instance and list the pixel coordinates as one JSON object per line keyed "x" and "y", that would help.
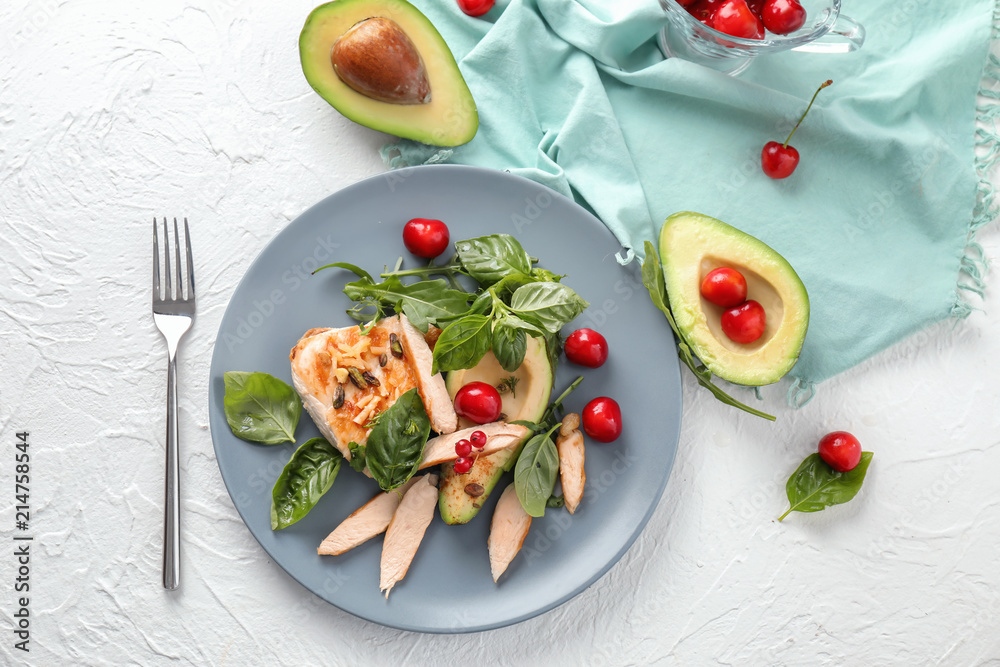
{"x": 535, "y": 473}
{"x": 462, "y": 343}
{"x": 425, "y": 302}
{"x": 555, "y": 501}
{"x": 306, "y": 477}
{"x": 396, "y": 444}
{"x": 509, "y": 346}
{"x": 353, "y": 268}
{"x": 261, "y": 408}
{"x": 510, "y": 284}
{"x": 546, "y": 275}
{"x": 488, "y": 259}
{"x": 357, "y": 456}
{"x": 814, "y": 486}
{"x": 552, "y": 305}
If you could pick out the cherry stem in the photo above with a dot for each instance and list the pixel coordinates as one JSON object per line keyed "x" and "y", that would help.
{"x": 803, "y": 117}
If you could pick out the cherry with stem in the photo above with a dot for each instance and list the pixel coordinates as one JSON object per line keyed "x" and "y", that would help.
{"x": 780, "y": 160}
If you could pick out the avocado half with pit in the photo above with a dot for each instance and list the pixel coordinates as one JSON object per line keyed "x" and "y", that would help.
{"x": 692, "y": 245}
{"x": 384, "y": 65}
{"x": 525, "y": 396}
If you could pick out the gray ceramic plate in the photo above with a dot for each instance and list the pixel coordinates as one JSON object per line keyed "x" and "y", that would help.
{"x": 448, "y": 587}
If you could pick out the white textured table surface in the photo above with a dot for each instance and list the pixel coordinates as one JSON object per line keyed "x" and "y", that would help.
{"x": 112, "y": 112}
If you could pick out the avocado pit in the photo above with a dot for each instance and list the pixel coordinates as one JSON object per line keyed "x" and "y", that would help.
{"x": 377, "y": 59}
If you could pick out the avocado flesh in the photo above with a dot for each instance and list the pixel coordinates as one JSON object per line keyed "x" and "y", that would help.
{"x": 528, "y": 402}
{"x": 692, "y": 245}
{"x": 449, "y": 118}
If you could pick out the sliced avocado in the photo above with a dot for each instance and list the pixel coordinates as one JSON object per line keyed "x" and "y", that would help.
{"x": 527, "y": 400}
{"x": 692, "y": 245}
{"x": 421, "y": 93}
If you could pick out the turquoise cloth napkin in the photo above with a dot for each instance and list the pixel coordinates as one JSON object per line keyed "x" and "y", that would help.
{"x": 878, "y": 218}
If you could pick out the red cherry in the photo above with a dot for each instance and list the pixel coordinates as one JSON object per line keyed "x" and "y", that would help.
{"x": 478, "y": 402}
{"x": 475, "y": 7}
{"x": 478, "y": 440}
{"x": 463, "y": 465}
{"x": 783, "y": 16}
{"x": 586, "y": 347}
{"x": 704, "y": 10}
{"x": 602, "y": 419}
{"x": 757, "y": 7}
{"x": 425, "y": 237}
{"x": 724, "y": 287}
{"x": 778, "y": 161}
{"x": 744, "y": 323}
{"x": 686, "y": 3}
{"x": 735, "y": 18}
{"x": 840, "y": 450}
{"x": 463, "y": 447}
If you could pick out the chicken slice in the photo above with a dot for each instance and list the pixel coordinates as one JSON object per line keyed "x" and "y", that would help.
{"x": 364, "y": 523}
{"x": 569, "y": 442}
{"x": 507, "y": 531}
{"x": 406, "y": 530}
{"x": 499, "y": 435}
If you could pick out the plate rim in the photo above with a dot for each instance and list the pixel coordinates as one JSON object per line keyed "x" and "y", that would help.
{"x": 214, "y": 407}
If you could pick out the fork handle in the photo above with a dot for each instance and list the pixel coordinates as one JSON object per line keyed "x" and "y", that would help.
{"x": 171, "y": 505}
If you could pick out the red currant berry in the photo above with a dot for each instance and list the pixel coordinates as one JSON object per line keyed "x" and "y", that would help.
{"x": 478, "y": 402}
{"x": 735, "y": 18}
{"x": 425, "y": 237}
{"x": 724, "y": 287}
{"x": 783, "y": 16}
{"x": 840, "y": 450}
{"x": 744, "y": 323}
{"x": 478, "y": 440}
{"x": 463, "y": 447}
{"x": 463, "y": 465}
{"x": 778, "y": 161}
{"x": 586, "y": 347}
{"x": 475, "y": 7}
{"x": 602, "y": 419}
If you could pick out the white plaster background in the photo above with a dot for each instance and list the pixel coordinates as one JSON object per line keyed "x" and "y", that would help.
{"x": 112, "y": 112}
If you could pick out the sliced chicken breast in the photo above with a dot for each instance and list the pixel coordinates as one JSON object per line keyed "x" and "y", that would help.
{"x": 569, "y": 442}
{"x": 364, "y": 523}
{"x": 406, "y": 530}
{"x": 499, "y": 435}
{"x": 344, "y": 384}
{"x": 507, "y": 531}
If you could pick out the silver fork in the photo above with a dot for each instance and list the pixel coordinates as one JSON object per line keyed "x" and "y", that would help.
{"x": 173, "y": 312}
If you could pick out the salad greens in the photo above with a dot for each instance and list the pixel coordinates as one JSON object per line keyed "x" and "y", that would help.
{"x": 261, "y": 408}
{"x": 306, "y": 477}
{"x": 814, "y": 486}
{"x": 536, "y": 472}
{"x": 395, "y": 445}
{"x": 514, "y": 299}
{"x": 652, "y": 278}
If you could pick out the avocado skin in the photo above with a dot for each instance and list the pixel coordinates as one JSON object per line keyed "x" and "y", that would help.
{"x": 449, "y": 119}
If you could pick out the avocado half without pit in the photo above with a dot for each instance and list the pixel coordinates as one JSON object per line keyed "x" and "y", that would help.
{"x": 381, "y": 63}
{"x": 692, "y": 245}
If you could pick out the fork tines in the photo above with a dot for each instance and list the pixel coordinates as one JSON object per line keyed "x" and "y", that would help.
{"x": 172, "y": 270}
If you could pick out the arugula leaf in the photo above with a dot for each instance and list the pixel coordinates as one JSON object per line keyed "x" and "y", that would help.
{"x": 509, "y": 346}
{"x": 652, "y": 278}
{"x": 552, "y": 305}
{"x": 306, "y": 477}
{"x": 462, "y": 343}
{"x": 488, "y": 259}
{"x": 396, "y": 444}
{"x": 425, "y": 302}
{"x": 353, "y": 268}
{"x": 261, "y": 408}
{"x": 535, "y": 473}
{"x": 814, "y": 486}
